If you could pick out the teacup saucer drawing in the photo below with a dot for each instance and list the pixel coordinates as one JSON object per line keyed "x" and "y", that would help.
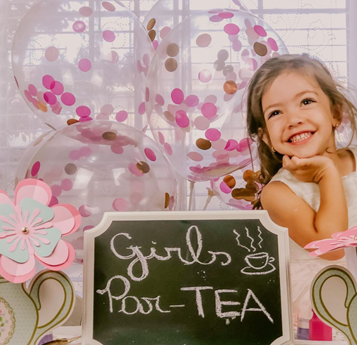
{"x": 251, "y": 271}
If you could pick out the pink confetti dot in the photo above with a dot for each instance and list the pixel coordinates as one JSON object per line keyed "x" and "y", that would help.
{"x": 85, "y": 11}
{"x": 142, "y": 108}
{"x": 204, "y": 40}
{"x": 78, "y": 26}
{"x": 195, "y": 156}
{"x": 84, "y": 65}
{"x": 57, "y": 88}
{"x": 161, "y": 138}
{"x": 88, "y": 227}
{"x": 85, "y": 151}
{"x": 35, "y": 168}
{"x": 150, "y": 154}
{"x": 134, "y": 170}
{"x": 120, "y": 204}
{"x": 147, "y": 95}
{"x": 74, "y": 155}
{"x": 224, "y": 188}
{"x": 177, "y": 96}
{"x": 66, "y": 185}
{"x": 201, "y": 123}
{"x": 164, "y": 31}
{"x": 50, "y": 98}
{"x": 32, "y": 89}
{"x": 85, "y": 119}
{"x": 108, "y": 6}
{"x": 272, "y": 43}
{"x": 260, "y": 30}
{"x": 213, "y": 134}
{"x": 117, "y": 149}
{"x": 47, "y": 81}
{"x": 107, "y": 109}
{"x": 54, "y": 201}
{"x": 237, "y": 45}
{"x": 231, "y": 29}
{"x": 226, "y": 15}
{"x": 231, "y": 145}
{"x": 83, "y": 111}
{"x": 244, "y": 144}
{"x": 181, "y": 119}
{"x": 215, "y": 19}
{"x": 121, "y": 116}
{"x": 155, "y": 44}
{"x": 205, "y": 76}
{"x": 85, "y": 211}
{"x": 28, "y": 96}
{"x": 68, "y": 99}
{"x": 159, "y": 100}
{"x": 108, "y": 35}
{"x": 51, "y": 54}
{"x": 168, "y": 149}
{"x": 114, "y": 57}
{"x": 209, "y": 110}
{"x": 251, "y": 34}
{"x": 56, "y": 190}
{"x": 192, "y": 101}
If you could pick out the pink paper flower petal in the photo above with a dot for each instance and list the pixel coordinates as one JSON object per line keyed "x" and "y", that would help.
{"x": 15, "y": 272}
{"x": 51, "y": 261}
{"x": 4, "y": 199}
{"x": 58, "y": 257}
{"x": 34, "y": 189}
{"x": 67, "y": 218}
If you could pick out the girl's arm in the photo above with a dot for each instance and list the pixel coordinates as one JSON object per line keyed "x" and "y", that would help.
{"x": 305, "y": 225}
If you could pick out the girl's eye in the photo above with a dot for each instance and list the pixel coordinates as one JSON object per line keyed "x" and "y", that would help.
{"x": 273, "y": 113}
{"x": 307, "y": 101}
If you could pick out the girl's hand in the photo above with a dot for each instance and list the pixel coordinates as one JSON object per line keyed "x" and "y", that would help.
{"x": 309, "y": 169}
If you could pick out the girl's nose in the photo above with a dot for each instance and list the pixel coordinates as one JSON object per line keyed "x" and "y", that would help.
{"x": 294, "y": 120}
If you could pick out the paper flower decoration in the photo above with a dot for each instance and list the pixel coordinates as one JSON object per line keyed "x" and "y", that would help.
{"x": 30, "y": 230}
{"x": 339, "y": 240}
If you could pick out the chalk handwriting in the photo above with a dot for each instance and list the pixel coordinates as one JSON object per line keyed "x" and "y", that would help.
{"x": 138, "y": 257}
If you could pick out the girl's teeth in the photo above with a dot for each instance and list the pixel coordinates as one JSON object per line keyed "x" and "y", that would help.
{"x": 300, "y": 137}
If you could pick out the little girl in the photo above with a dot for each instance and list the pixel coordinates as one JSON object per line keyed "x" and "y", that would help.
{"x": 294, "y": 109}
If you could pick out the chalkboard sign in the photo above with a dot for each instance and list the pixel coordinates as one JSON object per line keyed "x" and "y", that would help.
{"x": 187, "y": 278}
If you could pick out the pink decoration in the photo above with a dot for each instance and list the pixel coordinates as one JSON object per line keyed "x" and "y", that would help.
{"x": 213, "y": 134}
{"x": 78, "y": 26}
{"x": 168, "y": 149}
{"x": 57, "y": 88}
{"x": 32, "y": 89}
{"x": 164, "y": 31}
{"x": 177, "y": 96}
{"x": 195, "y": 156}
{"x": 121, "y": 116}
{"x": 47, "y": 81}
{"x": 150, "y": 154}
{"x": 224, "y": 188}
{"x": 120, "y": 204}
{"x": 50, "y": 98}
{"x": 201, "y": 123}
{"x": 209, "y": 110}
{"x": 68, "y": 99}
{"x": 108, "y": 35}
{"x": 84, "y": 65}
{"x": 51, "y": 54}
{"x": 181, "y": 119}
{"x": 339, "y": 240}
{"x": 204, "y": 40}
{"x": 134, "y": 170}
{"x": 161, "y": 138}
{"x": 273, "y": 45}
{"x": 107, "y": 109}
{"x": 192, "y": 101}
{"x": 56, "y": 190}
{"x": 260, "y": 30}
{"x": 83, "y": 111}
{"x": 205, "y": 76}
{"x": 226, "y": 15}
{"x": 85, "y": 211}
{"x": 231, "y": 29}
{"x": 117, "y": 149}
{"x": 32, "y": 230}
{"x": 231, "y": 145}
{"x": 35, "y": 168}
{"x": 85, "y": 11}
{"x": 215, "y": 19}
{"x": 142, "y": 109}
{"x": 66, "y": 185}
{"x": 159, "y": 100}
{"x": 108, "y": 6}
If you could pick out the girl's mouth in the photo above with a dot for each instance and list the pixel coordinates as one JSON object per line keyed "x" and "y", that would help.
{"x": 300, "y": 137}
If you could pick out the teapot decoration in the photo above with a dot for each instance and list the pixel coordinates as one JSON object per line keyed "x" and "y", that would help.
{"x": 26, "y": 314}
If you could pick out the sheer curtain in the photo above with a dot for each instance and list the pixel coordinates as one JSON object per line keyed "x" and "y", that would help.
{"x": 322, "y": 28}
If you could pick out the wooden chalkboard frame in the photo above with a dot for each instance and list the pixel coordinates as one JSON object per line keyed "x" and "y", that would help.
{"x": 109, "y": 217}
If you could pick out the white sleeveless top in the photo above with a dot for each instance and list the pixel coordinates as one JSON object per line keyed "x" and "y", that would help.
{"x": 304, "y": 267}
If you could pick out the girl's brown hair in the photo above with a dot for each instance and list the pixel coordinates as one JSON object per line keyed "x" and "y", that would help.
{"x": 271, "y": 161}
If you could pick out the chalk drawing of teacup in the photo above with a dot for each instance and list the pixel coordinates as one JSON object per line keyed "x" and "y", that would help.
{"x": 258, "y": 261}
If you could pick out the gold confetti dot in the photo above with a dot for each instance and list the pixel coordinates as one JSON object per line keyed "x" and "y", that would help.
{"x": 171, "y": 64}
{"x": 260, "y": 49}
{"x": 203, "y": 144}
{"x": 230, "y": 87}
{"x": 143, "y": 167}
{"x": 71, "y": 121}
{"x": 167, "y": 200}
{"x": 152, "y": 34}
{"x": 230, "y": 181}
{"x": 172, "y": 49}
{"x": 151, "y": 24}
{"x": 42, "y": 107}
{"x": 169, "y": 116}
{"x": 109, "y": 136}
{"x": 70, "y": 169}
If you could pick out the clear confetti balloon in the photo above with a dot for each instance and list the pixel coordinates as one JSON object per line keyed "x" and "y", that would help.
{"x": 102, "y": 166}
{"x": 79, "y": 60}
{"x": 195, "y": 111}
{"x": 163, "y": 16}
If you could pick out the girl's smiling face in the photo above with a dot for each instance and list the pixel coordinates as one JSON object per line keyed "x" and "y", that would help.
{"x": 298, "y": 116}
